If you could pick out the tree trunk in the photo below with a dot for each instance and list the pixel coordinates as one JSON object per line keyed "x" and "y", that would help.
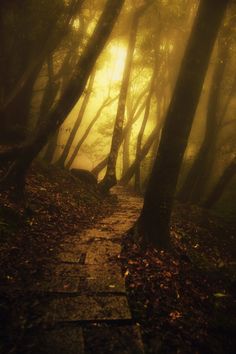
{"x": 51, "y": 148}
{"x": 133, "y": 112}
{"x": 16, "y": 118}
{"x": 65, "y": 153}
{"x": 154, "y": 222}
{"x": 50, "y": 92}
{"x": 51, "y": 43}
{"x": 194, "y": 186}
{"x": 126, "y": 151}
{"x": 106, "y": 103}
{"x": 143, "y": 153}
{"x": 101, "y": 165}
{"x": 69, "y": 97}
{"x": 110, "y": 176}
{"x": 137, "y": 181}
{"x": 160, "y": 121}
{"x": 223, "y": 182}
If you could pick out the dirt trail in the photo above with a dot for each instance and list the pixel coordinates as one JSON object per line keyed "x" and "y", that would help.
{"x": 87, "y": 310}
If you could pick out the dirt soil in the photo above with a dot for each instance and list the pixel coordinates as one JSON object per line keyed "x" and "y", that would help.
{"x": 32, "y": 228}
{"x": 184, "y": 300}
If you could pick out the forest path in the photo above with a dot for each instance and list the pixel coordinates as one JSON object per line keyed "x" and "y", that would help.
{"x": 87, "y": 310}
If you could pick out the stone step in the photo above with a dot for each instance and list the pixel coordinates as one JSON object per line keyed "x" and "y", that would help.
{"x": 113, "y": 340}
{"x": 92, "y": 278}
{"x": 87, "y": 308}
{"x": 77, "y": 279}
{"x": 89, "y": 312}
{"x": 57, "y": 341}
{"x": 102, "y": 252}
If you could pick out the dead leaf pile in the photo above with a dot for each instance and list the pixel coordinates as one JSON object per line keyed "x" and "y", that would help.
{"x": 183, "y": 299}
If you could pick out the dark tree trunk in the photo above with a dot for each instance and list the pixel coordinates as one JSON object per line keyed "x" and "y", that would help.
{"x": 154, "y": 222}
{"x": 195, "y": 184}
{"x": 110, "y": 176}
{"x": 50, "y": 44}
{"x": 70, "y": 95}
{"x": 51, "y": 148}
{"x": 223, "y": 182}
{"x": 126, "y": 151}
{"x": 133, "y": 113}
{"x": 65, "y": 153}
{"x": 106, "y": 103}
{"x": 101, "y": 165}
{"x": 143, "y": 153}
{"x": 50, "y": 92}
{"x": 15, "y": 107}
{"x": 137, "y": 181}
{"x": 16, "y": 118}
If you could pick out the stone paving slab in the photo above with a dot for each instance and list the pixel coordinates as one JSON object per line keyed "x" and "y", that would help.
{"x": 102, "y": 252}
{"x": 91, "y": 278}
{"x": 57, "y": 285}
{"x": 113, "y": 340}
{"x": 87, "y": 308}
{"x": 111, "y": 283}
{"x": 80, "y": 279}
{"x": 93, "y": 290}
{"x": 59, "y": 341}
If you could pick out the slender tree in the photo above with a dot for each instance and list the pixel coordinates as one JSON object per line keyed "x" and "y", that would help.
{"x": 143, "y": 153}
{"x": 61, "y": 161}
{"x": 50, "y": 92}
{"x": 142, "y": 129}
{"x": 220, "y": 186}
{"x": 105, "y": 104}
{"x": 130, "y": 112}
{"x": 153, "y": 225}
{"x": 51, "y": 148}
{"x": 26, "y": 154}
{"x": 134, "y": 117}
{"x": 110, "y": 177}
{"x": 194, "y": 184}
{"x": 15, "y": 108}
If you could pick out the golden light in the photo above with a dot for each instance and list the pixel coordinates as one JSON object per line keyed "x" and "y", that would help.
{"x": 118, "y": 56}
{"x": 76, "y": 24}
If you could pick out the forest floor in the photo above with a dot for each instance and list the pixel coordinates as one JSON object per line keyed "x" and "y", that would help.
{"x": 184, "y": 300}
{"x": 181, "y": 301}
{"x": 32, "y": 230}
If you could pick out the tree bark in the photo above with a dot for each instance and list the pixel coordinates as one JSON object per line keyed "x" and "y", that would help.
{"x": 154, "y": 222}
{"x": 110, "y": 176}
{"x": 48, "y": 47}
{"x": 126, "y": 151}
{"x": 195, "y": 184}
{"x": 101, "y": 165}
{"x": 50, "y": 92}
{"x": 51, "y": 148}
{"x": 137, "y": 181}
{"x": 223, "y": 182}
{"x": 143, "y": 153}
{"x": 15, "y": 119}
{"x": 106, "y": 103}
{"x": 65, "y": 153}
{"x": 69, "y": 97}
